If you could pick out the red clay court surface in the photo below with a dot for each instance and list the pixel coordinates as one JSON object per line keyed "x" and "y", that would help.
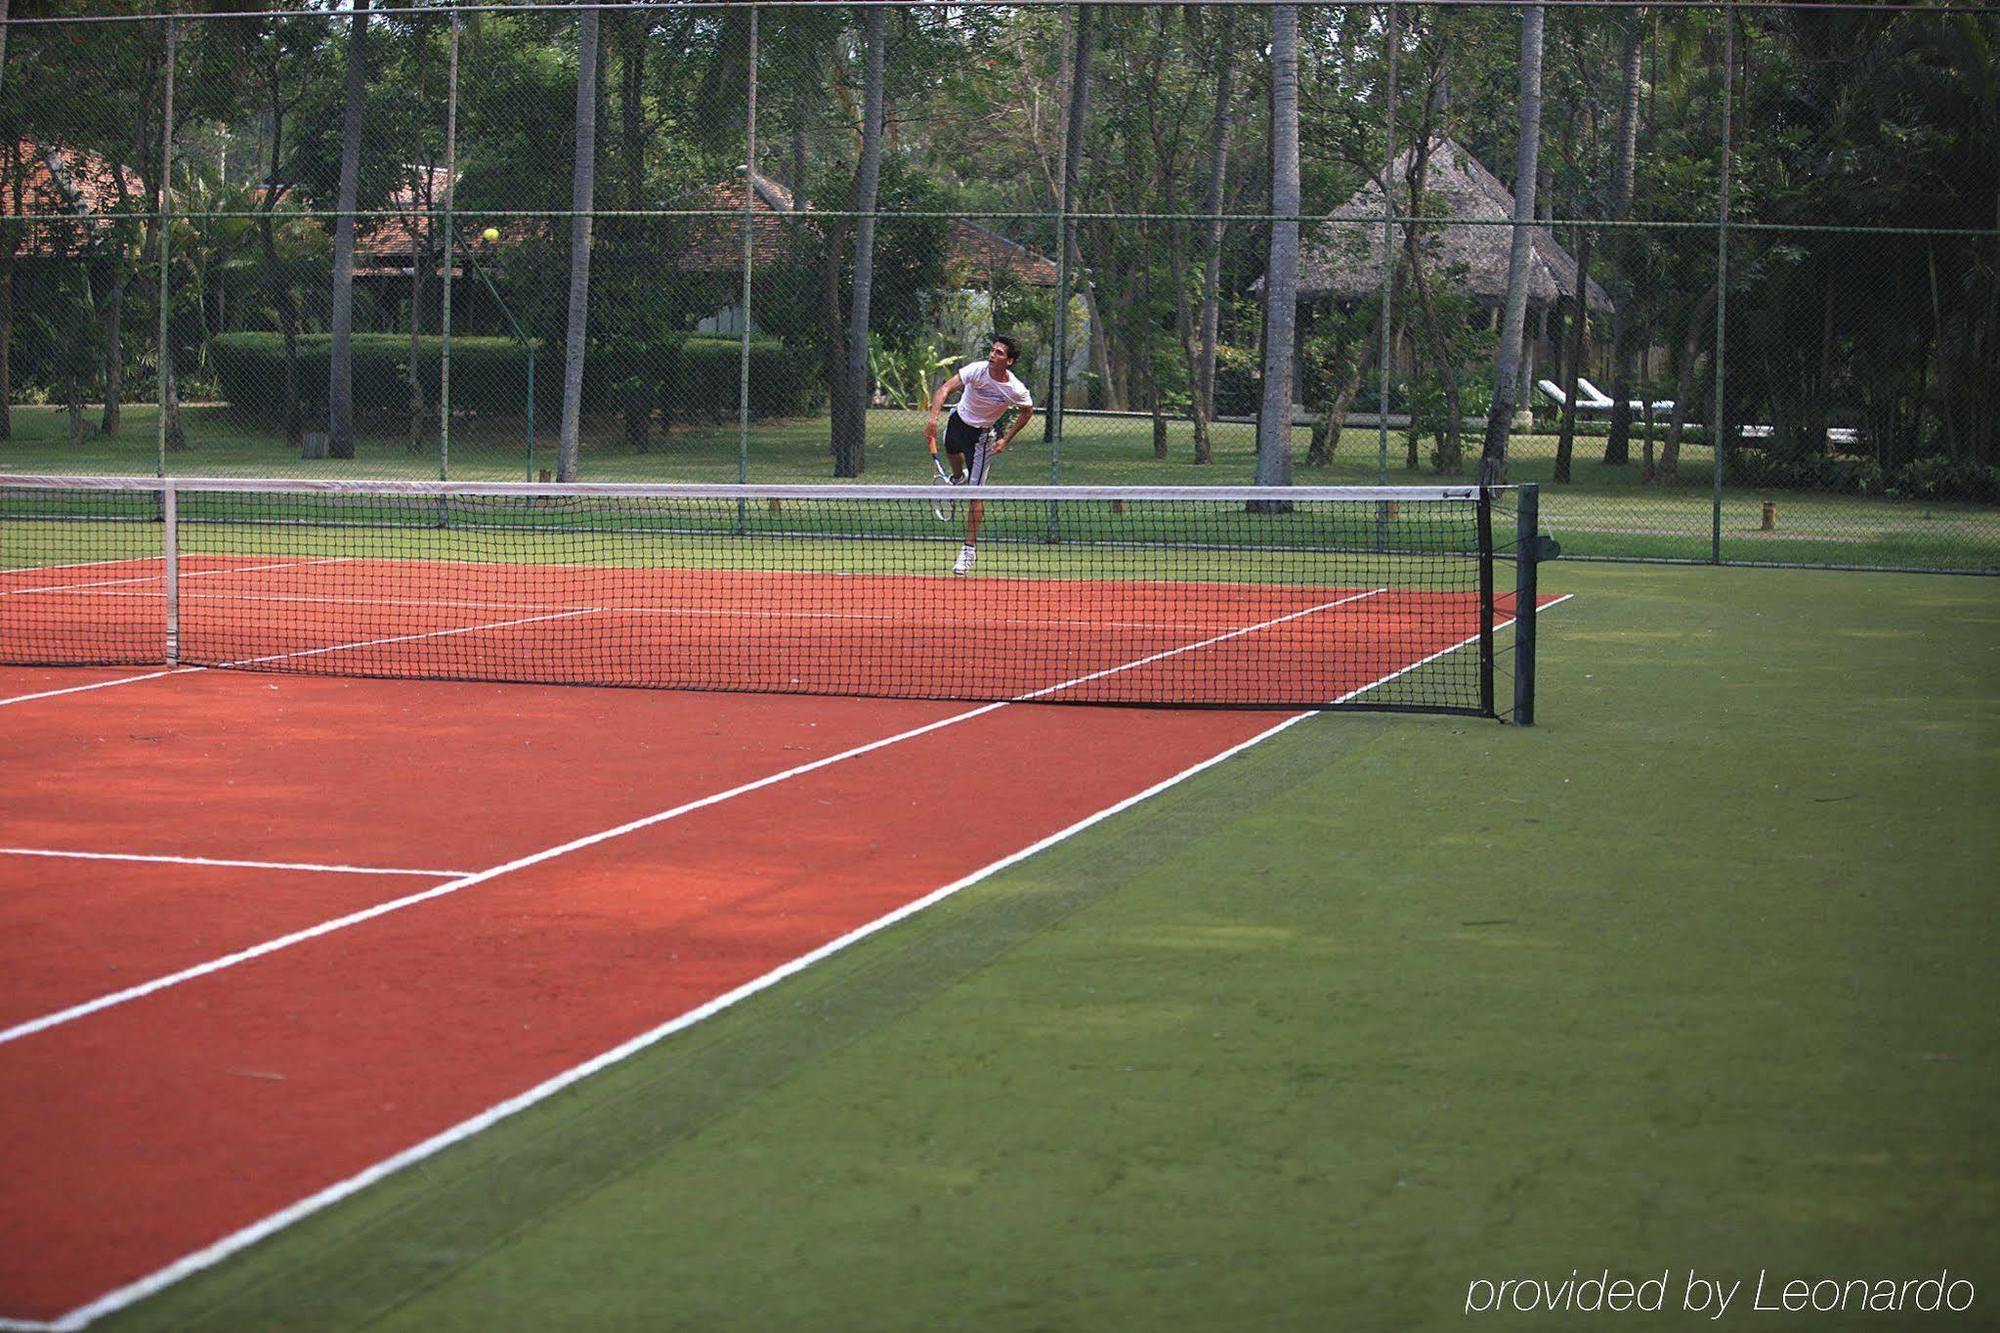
{"x": 206, "y": 1021}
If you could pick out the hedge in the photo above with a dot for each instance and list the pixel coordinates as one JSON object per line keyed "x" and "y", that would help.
{"x": 688, "y": 377}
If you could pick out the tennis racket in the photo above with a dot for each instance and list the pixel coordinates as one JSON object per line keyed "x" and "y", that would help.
{"x": 944, "y": 511}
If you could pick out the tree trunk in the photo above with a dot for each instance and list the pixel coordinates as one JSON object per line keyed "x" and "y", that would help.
{"x": 112, "y": 312}
{"x": 1075, "y": 117}
{"x": 1327, "y": 429}
{"x": 1103, "y": 377}
{"x": 799, "y": 104}
{"x": 340, "y": 360}
{"x": 833, "y": 313}
{"x": 583, "y": 189}
{"x": 73, "y": 405}
{"x": 176, "y": 437}
{"x": 1617, "y": 446}
{"x": 1649, "y": 472}
{"x": 288, "y": 323}
{"x": 1670, "y": 452}
{"x": 1185, "y": 333}
{"x": 1579, "y": 344}
{"x": 1281, "y": 286}
{"x": 629, "y": 241}
{"x": 850, "y": 446}
{"x": 281, "y": 282}
{"x": 420, "y": 262}
{"x": 9, "y": 244}
{"x": 1211, "y": 271}
{"x": 1493, "y": 455}
{"x": 633, "y": 130}
{"x": 1450, "y": 450}
{"x": 1451, "y": 445}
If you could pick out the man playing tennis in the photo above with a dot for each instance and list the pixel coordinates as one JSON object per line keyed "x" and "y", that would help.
{"x": 988, "y": 391}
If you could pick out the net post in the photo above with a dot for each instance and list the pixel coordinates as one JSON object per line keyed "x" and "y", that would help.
{"x": 1527, "y": 562}
{"x": 1485, "y": 512}
{"x": 170, "y": 553}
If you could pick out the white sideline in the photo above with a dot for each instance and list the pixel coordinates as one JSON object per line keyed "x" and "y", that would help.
{"x": 219, "y": 861}
{"x": 242, "y": 1239}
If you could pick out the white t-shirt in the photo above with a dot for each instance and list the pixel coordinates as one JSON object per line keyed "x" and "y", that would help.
{"x": 985, "y": 399}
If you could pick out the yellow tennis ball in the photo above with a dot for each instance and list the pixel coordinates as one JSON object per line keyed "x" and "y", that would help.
{"x": 491, "y": 233}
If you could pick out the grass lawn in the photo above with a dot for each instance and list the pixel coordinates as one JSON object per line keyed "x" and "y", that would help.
{"x": 1602, "y": 512}
{"x": 1696, "y": 975}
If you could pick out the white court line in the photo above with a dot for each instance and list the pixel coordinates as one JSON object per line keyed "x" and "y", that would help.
{"x": 161, "y": 578}
{"x": 76, "y": 564}
{"x": 692, "y": 612}
{"x": 32, "y": 1026}
{"x": 98, "y": 685}
{"x": 218, "y": 861}
{"x": 406, "y": 638}
{"x": 1188, "y": 648}
{"x": 303, "y": 652}
{"x": 332, "y": 1194}
{"x": 695, "y": 612}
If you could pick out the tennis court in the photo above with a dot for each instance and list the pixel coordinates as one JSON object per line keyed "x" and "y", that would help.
{"x": 278, "y": 932}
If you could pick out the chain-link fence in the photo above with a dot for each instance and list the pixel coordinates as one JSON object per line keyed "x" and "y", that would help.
{"x": 800, "y": 218}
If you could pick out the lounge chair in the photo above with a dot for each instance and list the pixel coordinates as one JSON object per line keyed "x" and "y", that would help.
{"x": 1588, "y": 399}
{"x": 1584, "y": 386}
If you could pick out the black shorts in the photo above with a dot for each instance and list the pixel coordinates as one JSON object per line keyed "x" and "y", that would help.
{"x": 973, "y": 443}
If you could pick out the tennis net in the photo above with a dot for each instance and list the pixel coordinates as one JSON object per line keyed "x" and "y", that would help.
{"x": 1299, "y": 597}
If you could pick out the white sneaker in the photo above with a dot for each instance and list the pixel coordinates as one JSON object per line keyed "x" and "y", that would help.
{"x": 963, "y": 565}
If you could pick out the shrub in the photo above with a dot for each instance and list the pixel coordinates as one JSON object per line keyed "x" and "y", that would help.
{"x": 1946, "y": 479}
{"x": 1239, "y": 381}
{"x": 693, "y": 377}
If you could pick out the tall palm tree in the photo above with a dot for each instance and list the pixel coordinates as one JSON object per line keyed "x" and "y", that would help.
{"x": 583, "y": 188}
{"x": 1211, "y": 270}
{"x": 850, "y": 426}
{"x": 1069, "y": 261}
{"x": 1507, "y": 366}
{"x": 1617, "y": 446}
{"x": 1281, "y": 287}
{"x": 340, "y": 372}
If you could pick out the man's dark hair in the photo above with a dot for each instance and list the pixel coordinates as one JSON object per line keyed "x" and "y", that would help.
{"x": 1013, "y": 348}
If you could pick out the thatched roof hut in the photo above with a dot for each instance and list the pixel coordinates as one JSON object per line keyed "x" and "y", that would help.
{"x": 1341, "y": 259}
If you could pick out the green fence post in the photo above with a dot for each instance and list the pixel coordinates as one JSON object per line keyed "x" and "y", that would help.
{"x": 166, "y": 219}
{"x": 1721, "y": 427}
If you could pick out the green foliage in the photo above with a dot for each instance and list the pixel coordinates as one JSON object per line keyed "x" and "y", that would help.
{"x": 1239, "y": 381}
{"x": 907, "y": 372}
{"x": 910, "y": 255}
{"x": 700, "y": 378}
{"x": 691, "y": 378}
{"x": 1920, "y": 479}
